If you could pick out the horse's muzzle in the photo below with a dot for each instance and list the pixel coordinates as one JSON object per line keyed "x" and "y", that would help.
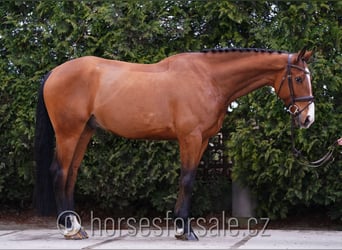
{"x": 307, "y": 117}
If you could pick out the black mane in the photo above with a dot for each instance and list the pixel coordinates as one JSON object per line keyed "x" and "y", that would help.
{"x": 226, "y": 50}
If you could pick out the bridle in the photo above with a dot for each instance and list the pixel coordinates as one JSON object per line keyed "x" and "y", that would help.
{"x": 295, "y": 111}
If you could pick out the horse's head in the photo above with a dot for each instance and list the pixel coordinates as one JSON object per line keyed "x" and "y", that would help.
{"x": 294, "y": 88}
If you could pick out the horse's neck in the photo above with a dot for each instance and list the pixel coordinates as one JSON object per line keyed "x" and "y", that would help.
{"x": 236, "y": 74}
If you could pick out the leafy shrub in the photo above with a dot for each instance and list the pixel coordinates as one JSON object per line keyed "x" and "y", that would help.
{"x": 37, "y": 36}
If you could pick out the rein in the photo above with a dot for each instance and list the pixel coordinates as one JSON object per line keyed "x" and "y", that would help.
{"x": 294, "y": 110}
{"x": 302, "y": 160}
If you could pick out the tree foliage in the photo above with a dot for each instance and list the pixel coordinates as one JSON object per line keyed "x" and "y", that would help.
{"x": 37, "y": 36}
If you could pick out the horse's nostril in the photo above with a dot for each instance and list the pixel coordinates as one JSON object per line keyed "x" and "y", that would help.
{"x": 307, "y": 121}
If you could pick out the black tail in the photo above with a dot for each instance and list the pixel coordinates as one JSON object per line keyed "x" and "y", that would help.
{"x": 44, "y": 198}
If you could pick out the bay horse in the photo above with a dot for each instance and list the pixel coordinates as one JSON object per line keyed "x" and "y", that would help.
{"x": 183, "y": 97}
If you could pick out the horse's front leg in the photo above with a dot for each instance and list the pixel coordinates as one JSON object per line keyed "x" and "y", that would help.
{"x": 191, "y": 150}
{"x": 184, "y": 230}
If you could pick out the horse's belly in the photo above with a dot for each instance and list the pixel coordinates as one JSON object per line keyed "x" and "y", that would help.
{"x": 132, "y": 122}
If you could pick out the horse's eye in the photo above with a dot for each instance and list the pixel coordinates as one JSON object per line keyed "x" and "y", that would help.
{"x": 299, "y": 79}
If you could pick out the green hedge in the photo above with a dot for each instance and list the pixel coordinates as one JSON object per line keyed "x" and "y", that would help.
{"x": 260, "y": 147}
{"x": 37, "y": 36}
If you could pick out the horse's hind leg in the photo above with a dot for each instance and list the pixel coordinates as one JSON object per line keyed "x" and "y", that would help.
{"x": 77, "y": 232}
{"x": 69, "y": 154}
{"x": 76, "y": 162}
{"x": 65, "y": 148}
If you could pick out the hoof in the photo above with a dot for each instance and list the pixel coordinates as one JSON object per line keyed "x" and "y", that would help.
{"x": 80, "y": 235}
{"x": 187, "y": 236}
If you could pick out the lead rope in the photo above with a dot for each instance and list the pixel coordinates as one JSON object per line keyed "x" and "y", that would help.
{"x": 328, "y": 157}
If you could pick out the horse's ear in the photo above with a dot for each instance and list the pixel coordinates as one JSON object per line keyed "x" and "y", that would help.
{"x": 304, "y": 55}
{"x": 307, "y": 55}
{"x": 301, "y": 54}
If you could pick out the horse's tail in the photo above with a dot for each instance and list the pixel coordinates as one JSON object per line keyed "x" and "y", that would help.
{"x": 44, "y": 198}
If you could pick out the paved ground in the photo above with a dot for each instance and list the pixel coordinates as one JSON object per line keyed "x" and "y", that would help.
{"x": 161, "y": 239}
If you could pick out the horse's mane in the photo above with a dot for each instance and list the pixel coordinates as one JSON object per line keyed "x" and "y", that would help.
{"x": 227, "y": 50}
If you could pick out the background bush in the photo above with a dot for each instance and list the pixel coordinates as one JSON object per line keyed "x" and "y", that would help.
{"x": 37, "y": 36}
